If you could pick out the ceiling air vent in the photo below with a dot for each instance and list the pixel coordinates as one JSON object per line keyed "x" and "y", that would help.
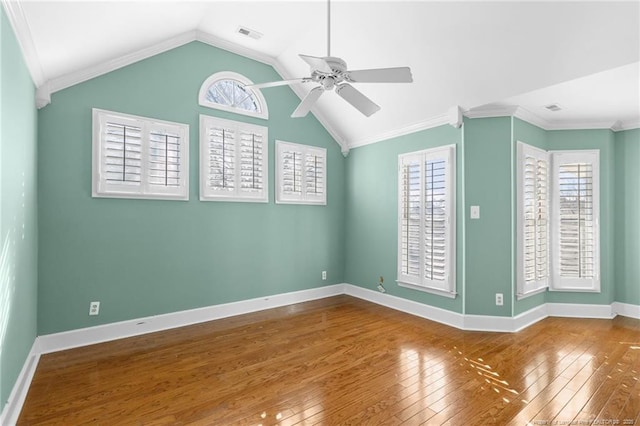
{"x": 249, "y": 33}
{"x": 553, "y": 107}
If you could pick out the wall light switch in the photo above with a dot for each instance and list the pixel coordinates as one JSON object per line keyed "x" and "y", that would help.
{"x": 475, "y": 212}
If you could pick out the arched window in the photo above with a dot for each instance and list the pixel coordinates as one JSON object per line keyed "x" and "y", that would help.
{"x": 225, "y": 90}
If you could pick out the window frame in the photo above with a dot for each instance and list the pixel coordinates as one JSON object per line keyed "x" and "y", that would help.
{"x": 145, "y": 191}
{"x": 237, "y": 195}
{"x": 559, "y": 283}
{"x": 525, "y": 288}
{"x": 555, "y": 282}
{"x": 258, "y": 97}
{"x": 303, "y": 198}
{"x": 448, "y": 287}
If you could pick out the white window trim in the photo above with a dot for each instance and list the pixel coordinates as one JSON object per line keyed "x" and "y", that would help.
{"x": 282, "y": 198}
{"x": 100, "y": 189}
{"x": 554, "y": 281}
{"x": 525, "y": 289}
{"x": 587, "y": 285}
{"x": 229, "y": 75}
{"x": 237, "y": 196}
{"x": 449, "y": 151}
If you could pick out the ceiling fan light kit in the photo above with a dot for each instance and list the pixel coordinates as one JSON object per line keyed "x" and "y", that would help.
{"x": 331, "y": 73}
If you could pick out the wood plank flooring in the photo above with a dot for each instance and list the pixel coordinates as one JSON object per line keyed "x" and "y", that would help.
{"x": 342, "y": 360}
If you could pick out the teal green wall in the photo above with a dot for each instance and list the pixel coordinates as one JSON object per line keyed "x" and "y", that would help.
{"x": 535, "y": 136}
{"x": 18, "y": 211}
{"x": 144, "y": 257}
{"x": 372, "y": 213}
{"x": 602, "y": 140}
{"x": 627, "y": 216}
{"x": 488, "y": 243}
{"x": 486, "y": 248}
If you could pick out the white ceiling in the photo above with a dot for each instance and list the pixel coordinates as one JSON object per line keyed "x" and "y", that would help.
{"x": 582, "y": 55}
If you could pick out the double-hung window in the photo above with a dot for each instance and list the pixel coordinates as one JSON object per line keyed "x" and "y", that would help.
{"x": 426, "y": 220}
{"x": 138, "y": 157}
{"x": 301, "y": 174}
{"x": 233, "y": 161}
{"x": 558, "y": 221}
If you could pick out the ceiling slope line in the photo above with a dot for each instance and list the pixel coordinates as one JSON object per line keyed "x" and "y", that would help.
{"x": 80, "y": 76}
{"x": 21, "y": 29}
{"x": 280, "y": 70}
{"x": 430, "y": 123}
{"x": 45, "y": 88}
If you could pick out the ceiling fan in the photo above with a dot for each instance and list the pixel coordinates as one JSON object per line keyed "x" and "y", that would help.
{"x": 331, "y": 73}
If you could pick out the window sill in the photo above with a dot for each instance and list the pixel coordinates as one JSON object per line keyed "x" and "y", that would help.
{"x": 432, "y": 290}
{"x": 531, "y": 293}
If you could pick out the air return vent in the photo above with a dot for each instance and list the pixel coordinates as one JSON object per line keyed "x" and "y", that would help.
{"x": 249, "y": 33}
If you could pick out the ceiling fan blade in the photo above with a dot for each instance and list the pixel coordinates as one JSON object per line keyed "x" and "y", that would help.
{"x": 277, "y": 83}
{"x": 380, "y": 75}
{"x": 317, "y": 64}
{"x": 357, "y": 99}
{"x": 307, "y": 102}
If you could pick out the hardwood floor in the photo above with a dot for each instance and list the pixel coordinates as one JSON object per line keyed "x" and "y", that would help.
{"x": 342, "y": 360}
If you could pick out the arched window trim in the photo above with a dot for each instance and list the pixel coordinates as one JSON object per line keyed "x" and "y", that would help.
{"x": 229, "y": 75}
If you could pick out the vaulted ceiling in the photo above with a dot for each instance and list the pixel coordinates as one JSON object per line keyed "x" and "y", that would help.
{"x": 485, "y": 57}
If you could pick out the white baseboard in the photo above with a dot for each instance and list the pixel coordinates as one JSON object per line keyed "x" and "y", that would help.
{"x": 118, "y": 330}
{"x": 103, "y": 333}
{"x": 530, "y": 317}
{"x": 432, "y": 313}
{"x": 626, "y": 310}
{"x": 18, "y": 394}
{"x": 574, "y": 310}
{"x": 453, "y": 319}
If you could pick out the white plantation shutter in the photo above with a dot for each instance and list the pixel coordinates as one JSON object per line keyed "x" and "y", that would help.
{"x": 426, "y": 222}
{"x": 314, "y": 174}
{"x": 252, "y": 167}
{"x": 300, "y": 174}
{"x": 291, "y": 172}
{"x": 576, "y": 264}
{"x": 533, "y": 220}
{"x": 435, "y": 219}
{"x": 122, "y": 153}
{"x": 233, "y": 161}
{"x": 410, "y": 217}
{"x": 138, "y": 157}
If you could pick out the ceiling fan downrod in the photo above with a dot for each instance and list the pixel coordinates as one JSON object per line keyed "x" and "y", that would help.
{"x": 328, "y": 28}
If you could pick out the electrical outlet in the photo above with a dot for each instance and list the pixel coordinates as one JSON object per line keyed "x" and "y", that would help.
{"x": 381, "y": 288}
{"x": 499, "y": 299}
{"x": 324, "y": 275}
{"x": 94, "y": 308}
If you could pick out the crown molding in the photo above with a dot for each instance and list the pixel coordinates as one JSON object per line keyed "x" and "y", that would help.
{"x": 46, "y": 88}
{"x": 223, "y": 44}
{"x": 620, "y": 126}
{"x": 76, "y": 77}
{"x": 18, "y": 21}
{"x": 430, "y": 123}
{"x": 491, "y": 111}
{"x": 531, "y": 118}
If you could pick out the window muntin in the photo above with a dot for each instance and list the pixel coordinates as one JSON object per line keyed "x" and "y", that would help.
{"x": 233, "y": 161}
{"x": 226, "y": 91}
{"x": 138, "y": 157}
{"x": 301, "y": 174}
{"x": 426, "y": 220}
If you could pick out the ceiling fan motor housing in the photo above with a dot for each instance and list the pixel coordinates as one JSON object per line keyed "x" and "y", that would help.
{"x": 327, "y": 80}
